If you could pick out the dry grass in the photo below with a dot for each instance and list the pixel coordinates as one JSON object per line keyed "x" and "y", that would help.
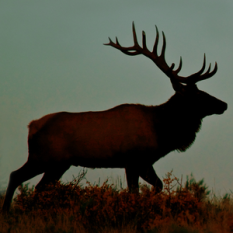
{"x": 68, "y": 208}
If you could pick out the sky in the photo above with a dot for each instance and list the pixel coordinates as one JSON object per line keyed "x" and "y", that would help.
{"x": 52, "y": 59}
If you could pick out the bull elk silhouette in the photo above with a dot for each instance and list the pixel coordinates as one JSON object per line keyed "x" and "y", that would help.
{"x": 130, "y": 136}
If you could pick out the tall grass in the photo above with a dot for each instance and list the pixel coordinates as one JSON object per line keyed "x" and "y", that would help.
{"x": 71, "y": 207}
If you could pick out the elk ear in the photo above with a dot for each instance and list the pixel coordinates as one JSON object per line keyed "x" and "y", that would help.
{"x": 178, "y": 87}
{"x": 184, "y": 89}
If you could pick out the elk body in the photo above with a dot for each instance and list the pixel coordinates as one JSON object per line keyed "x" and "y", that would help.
{"x": 129, "y": 136}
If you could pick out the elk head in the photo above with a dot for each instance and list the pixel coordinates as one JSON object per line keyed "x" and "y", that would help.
{"x": 187, "y": 93}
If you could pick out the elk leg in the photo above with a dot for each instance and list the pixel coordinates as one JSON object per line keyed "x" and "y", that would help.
{"x": 51, "y": 176}
{"x": 149, "y": 175}
{"x": 26, "y": 172}
{"x": 132, "y": 177}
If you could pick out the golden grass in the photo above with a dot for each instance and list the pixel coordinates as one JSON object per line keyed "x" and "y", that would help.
{"x": 68, "y": 208}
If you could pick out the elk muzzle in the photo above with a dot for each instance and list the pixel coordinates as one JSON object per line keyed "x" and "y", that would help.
{"x": 221, "y": 107}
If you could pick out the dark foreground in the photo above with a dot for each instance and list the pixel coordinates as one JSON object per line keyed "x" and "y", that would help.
{"x": 71, "y": 207}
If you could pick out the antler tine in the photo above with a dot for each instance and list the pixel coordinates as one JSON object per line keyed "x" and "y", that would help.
{"x": 203, "y": 67}
{"x": 162, "y": 55}
{"x": 110, "y": 41}
{"x": 156, "y": 42}
{"x": 135, "y": 37}
{"x": 144, "y": 40}
{"x": 207, "y": 72}
{"x": 117, "y": 42}
{"x": 195, "y": 75}
{"x": 179, "y": 67}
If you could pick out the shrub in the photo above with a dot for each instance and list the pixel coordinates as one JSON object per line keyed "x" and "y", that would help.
{"x": 105, "y": 207}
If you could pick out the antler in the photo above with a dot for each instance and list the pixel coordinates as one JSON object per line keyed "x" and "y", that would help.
{"x": 159, "y": 60}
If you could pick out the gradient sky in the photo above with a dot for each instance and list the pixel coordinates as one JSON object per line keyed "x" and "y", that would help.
{"x": 53, "y": 59}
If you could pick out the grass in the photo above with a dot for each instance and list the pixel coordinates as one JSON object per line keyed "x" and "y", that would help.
{"x": 71, "y": 207}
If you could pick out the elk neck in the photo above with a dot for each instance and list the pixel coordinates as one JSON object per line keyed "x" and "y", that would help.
{"x": 177, "y": 123}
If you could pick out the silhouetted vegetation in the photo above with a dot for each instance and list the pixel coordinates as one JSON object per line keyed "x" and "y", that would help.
{"x": 73, "y": 207}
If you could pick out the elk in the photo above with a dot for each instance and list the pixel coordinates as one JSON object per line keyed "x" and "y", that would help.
{"x": 129, "y": 136}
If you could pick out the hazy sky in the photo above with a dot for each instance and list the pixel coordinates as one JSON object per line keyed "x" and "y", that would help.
{"x": 52, "y": 58}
